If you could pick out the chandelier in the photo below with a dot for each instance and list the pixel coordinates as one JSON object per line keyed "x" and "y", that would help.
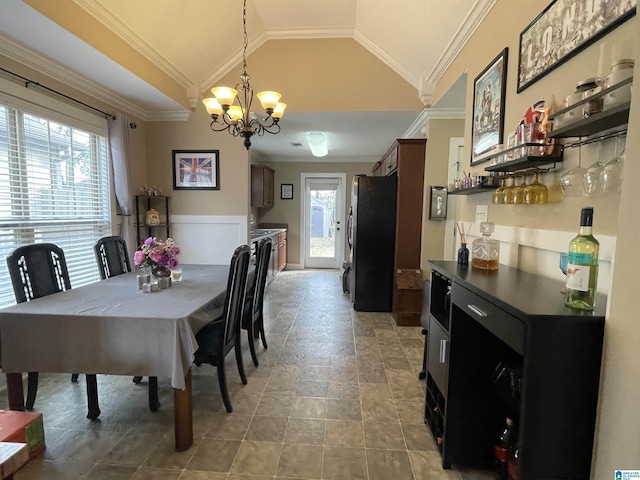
{"x": 238, "y": 120}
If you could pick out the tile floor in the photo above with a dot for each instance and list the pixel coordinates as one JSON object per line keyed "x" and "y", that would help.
{"x": 336, "y": 397}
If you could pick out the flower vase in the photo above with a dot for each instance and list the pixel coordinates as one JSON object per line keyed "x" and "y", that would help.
{"x": 160, "y": 272}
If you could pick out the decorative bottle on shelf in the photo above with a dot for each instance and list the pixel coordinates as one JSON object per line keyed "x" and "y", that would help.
{"x": 582, "y": 265}
{"x": 508, "y": 438}
{"x": 514, "y": 456}
{"x": 463, "y": 254}
{"x": 486, "y": 250}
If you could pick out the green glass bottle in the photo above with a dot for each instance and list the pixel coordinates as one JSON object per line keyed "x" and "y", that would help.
{"x": 582, "y": 265}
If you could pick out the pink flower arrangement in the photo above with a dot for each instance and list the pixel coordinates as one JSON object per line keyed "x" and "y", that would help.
{"x": 157, "y": 253}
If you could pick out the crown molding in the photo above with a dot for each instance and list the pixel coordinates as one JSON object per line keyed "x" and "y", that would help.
{"x": 385, "y": 58}
{"x": 310, "y": 33}
{"x": 417, "y": 128}
{"x": 168, "y": 116}
{"x": 425, "y": 92}
{"x": 46, "y": 67}
{"x": 97, "y": 10}
{"x": 479, "y": 10}
{"x": 232, "y": 61}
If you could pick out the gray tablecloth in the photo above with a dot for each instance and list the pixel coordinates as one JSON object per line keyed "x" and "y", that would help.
{"x": 112, "y": 327}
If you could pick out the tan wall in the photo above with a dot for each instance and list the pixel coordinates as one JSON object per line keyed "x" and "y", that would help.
{"x": 617, "y": 436}
{"x": 509, "y": 18}
{"x": 233, "y": 196}
{"x": 320, "y": 76}
{"x": 437, "y": 159}
{"x": 288, "y": 211}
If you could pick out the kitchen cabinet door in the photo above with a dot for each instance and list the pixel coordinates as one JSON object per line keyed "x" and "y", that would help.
{"x": 262, "y": 186}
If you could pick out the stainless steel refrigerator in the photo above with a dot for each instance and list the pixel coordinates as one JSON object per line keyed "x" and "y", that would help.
{"x": 372, "y": 235}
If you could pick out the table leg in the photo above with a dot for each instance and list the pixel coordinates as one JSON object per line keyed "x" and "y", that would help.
{"x": 183, "y": 415}
{"x": 14, "y": 391}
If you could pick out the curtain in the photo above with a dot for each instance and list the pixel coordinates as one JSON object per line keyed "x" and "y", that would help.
{"x": 120, "y": 148}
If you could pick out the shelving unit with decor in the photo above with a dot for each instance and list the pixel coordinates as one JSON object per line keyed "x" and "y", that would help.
{"x": 599, "y": 126}
{"x": 497, "y": 353}
{"x": 144, "y": 203}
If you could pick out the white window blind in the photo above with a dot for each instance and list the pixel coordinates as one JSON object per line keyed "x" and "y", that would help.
{"x": 54, "y": 187}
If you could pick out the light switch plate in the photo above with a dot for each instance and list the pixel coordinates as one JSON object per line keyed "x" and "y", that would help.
{"x": 482, "y": 213}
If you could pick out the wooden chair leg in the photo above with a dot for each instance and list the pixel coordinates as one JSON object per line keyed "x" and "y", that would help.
{"x": 222, "y": 381}
{"x": 74, "y": 377}
{"x": 32, "y": 390}
{"x": 154, "y": 402}
{"x": 252, "y": 346}
{"x": 92, "y": 397}
{"x": 239, "y": 361}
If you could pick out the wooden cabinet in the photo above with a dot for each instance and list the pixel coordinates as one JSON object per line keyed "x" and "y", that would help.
{"x": 405, "y": 160}
{"x": 278, "y": 260}
{"x": 262, "y": 186}
{"x": 144, "y": 203}
{"x": 513, "y": 350}
{"x": 282, "y": 251}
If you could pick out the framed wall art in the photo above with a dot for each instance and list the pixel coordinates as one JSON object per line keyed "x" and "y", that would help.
{"x": 489, "y": 89}
{"x": 563, "y": 29}
{"x": 196, "y": 169}
{"x": 286, "y": 191}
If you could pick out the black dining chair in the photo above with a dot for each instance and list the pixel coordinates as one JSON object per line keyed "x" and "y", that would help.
{"x": 112, "y": 256}
{"x": 38, "y": 270}
{"x": 252, "y": 317}
{"x": 113, "y": 259}
{"x": 217, "y": 338}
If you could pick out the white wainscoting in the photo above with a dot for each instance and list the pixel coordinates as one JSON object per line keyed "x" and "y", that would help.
{"x": 538, "y": 251}
{"x": 209, "y": 239}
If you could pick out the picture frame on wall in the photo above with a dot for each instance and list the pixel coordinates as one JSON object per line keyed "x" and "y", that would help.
{"x": 489, "y": 90}
{"x": 562, "y": 30}
{"x": 438, "y": 203}
{"x": 286, "y": 191}
{"x": 196, "y": 169}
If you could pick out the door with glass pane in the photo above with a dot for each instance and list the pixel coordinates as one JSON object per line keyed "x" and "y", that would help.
{"x": 324, "y": 204}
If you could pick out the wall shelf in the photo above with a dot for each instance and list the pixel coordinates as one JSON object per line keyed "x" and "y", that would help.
{"x": 473, "y": 190}
{"x": 528, "y": 155}
{"x": 610, "y": 120}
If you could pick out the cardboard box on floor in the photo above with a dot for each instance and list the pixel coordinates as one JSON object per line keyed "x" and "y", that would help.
{"x": 23, "y": 427}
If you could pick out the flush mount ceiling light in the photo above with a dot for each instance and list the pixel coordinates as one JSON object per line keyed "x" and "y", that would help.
{"x": 318, "y": 144}
{"x": 237, "y": 119}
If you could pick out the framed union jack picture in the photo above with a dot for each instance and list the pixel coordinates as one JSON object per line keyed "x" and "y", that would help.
{"x": 196, "y": 170}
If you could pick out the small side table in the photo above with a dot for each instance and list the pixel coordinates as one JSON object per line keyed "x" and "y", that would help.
{"x": 12, "y": 457}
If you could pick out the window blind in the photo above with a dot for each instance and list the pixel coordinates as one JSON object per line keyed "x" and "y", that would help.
{"x": 54, "y": 187}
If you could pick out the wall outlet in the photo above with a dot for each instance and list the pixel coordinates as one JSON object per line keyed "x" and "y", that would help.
{"x": 482, "y": 213}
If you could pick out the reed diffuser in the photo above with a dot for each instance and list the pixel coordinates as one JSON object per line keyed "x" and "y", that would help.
{"x": 463, "y": 251}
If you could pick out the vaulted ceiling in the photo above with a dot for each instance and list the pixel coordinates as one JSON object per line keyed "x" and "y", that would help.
{"x": 155, "y": 59}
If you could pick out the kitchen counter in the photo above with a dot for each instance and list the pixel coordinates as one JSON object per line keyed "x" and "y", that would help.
{"x": 260, "y": 233}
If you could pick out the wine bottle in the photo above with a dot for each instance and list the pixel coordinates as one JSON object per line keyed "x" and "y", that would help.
{"x": 582, "y": 265}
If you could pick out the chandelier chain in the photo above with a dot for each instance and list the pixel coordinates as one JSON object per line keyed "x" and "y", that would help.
{"x": 245, "y": 37}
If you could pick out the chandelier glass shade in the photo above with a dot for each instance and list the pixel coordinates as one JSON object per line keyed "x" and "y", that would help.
{"x": 238, "y": 119}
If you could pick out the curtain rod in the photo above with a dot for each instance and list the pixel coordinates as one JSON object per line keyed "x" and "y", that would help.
{"x": 37, "y": 84}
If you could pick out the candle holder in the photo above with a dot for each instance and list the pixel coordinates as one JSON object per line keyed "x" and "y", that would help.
{"x": 142, "y": 279}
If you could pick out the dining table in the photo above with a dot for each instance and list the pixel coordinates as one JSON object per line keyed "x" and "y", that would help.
{"x": 113, "y": 327}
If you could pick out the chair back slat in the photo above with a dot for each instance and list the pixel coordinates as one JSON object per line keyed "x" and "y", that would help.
{"x": 37, "y": 270}
{"x": 112, "y": 256}
{"x": 236, "y": 291}
{"x": 264, "y": 255}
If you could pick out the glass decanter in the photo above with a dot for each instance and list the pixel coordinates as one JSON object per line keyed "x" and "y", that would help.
{"x": 486, "y": 250}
